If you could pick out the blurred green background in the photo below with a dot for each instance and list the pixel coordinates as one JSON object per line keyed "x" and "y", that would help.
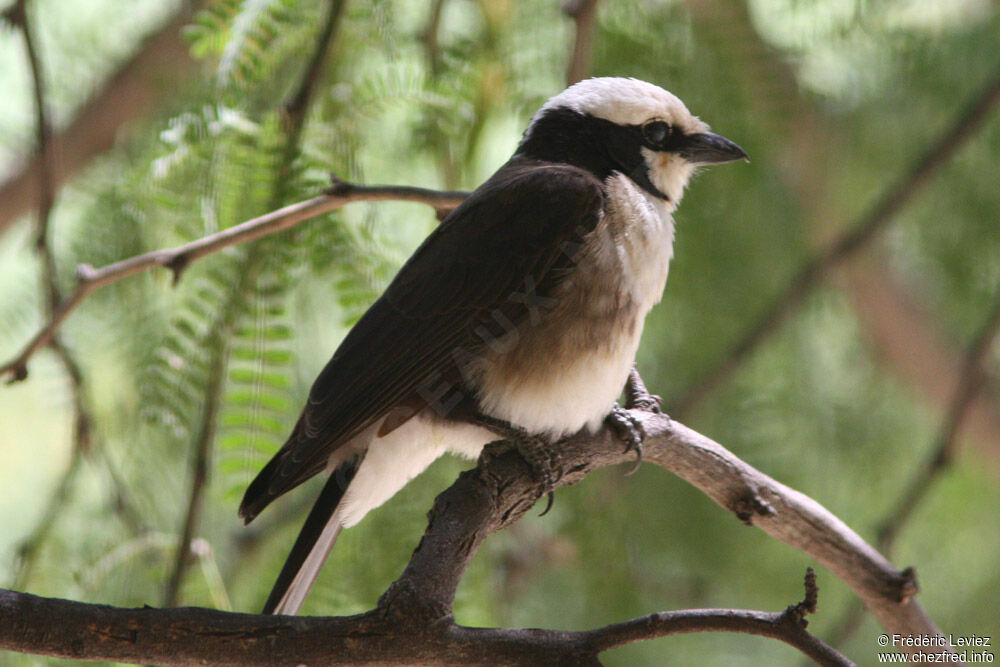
{"x": 834, "y": 100}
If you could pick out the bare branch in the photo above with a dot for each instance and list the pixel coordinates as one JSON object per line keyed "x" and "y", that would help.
{"x": 176, "y": 259}
{"x": 429, "y": 38}
{"x": 199, "y": 471}
{"x": 298, "y": 104}
{"x": 130, "y": 93}
{"x": 584, "y": 15}
{"x": 973, "y": 375}
{"x": 193, "y": 635}
{"x": 788, "y": 626}
{"x": 501, "y": 490}
{"x": 483, "y": 501}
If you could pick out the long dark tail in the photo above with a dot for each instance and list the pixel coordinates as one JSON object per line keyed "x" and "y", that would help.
{"x": 312, "y": 546}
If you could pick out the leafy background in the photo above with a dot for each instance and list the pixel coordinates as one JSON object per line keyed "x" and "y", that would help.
{"x": 833, "y": 99}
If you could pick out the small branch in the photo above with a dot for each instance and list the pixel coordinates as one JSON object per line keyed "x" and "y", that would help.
{"x": 298, "y": 104}
{"x": 129, "y": 93}
{"x": 972, "y": 378}
{"x": 429, "y": 38}
{"x": 788, "y": 626}
{"x": 90, "y": 279}
{"x": 816, "y": 269}
{"x": 199, "y": 468}
{"x": 584, "y": 15}
{"x": 487, "y": 499}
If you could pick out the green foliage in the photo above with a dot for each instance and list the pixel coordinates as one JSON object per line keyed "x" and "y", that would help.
{"x": 234, "y": 345}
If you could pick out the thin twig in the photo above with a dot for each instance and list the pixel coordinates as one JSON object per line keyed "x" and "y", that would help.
{"x": 429, "y": 38}
{"x": 788, "y": 626}
{"x": 298, "y": 103}
{"x": 199, "y": 469}
{"x": 820, "y": 265}
{"x": 972, "y": 379}
{"x": 973, "y": 376}
{"x": 17, "y": 15}
{"x": 176, "y": 259}
{"x": 584, "y": 15}
{"x": 294, "y": 116}
{"x": 127, "y": 94}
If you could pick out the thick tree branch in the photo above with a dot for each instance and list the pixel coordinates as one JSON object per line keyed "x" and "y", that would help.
{"x": 176, "y": 259}
{"x": 481, "y": 502}
{"x": 182, "y": 636}
{"x": 500, "y": 491}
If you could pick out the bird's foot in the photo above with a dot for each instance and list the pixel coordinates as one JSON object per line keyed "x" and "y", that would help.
{"x": 637, "y": 397}
{"x": 534, "y": 449}
{"x": 628, "y": 429}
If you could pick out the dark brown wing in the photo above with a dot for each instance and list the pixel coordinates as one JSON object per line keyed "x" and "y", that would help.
{"x": 514, "y": 227}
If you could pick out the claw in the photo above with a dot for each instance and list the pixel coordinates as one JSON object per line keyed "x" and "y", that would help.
{"x": 638, "y": 460}
{"x": 548, "y": 505}
{"x": 638, "y": 397}
{"x": 535, "y": 450}
{"x": 630, "y": 430}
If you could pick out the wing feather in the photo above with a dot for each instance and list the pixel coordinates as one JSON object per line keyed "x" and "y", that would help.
{"x": 513, "y": 227}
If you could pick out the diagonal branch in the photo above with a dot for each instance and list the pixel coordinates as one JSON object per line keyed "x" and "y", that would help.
{"x": 413, "y": 620}
{"x": 973, "y": 377}
{"x": 816, "y": 269}
{"x": 502, "y": 489}
{"x": 128, "y": 94}
{"x": 176, "y": 259}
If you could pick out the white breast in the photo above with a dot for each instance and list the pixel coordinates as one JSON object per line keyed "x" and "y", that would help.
{"x": 566, "y": 372}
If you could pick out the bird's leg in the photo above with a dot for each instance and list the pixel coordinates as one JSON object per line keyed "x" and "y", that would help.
{"x": 628, "y": 429}
{"x": 625, "y": 424}
{"x": 638, "y": 397}
{"x": 534, "y": 449}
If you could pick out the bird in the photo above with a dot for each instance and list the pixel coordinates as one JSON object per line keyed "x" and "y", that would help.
{"x": 519, "y": 316}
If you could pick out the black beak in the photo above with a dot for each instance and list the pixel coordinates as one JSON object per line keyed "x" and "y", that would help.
{"x": 709, "y": 148}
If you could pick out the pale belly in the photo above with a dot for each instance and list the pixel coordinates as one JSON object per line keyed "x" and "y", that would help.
{"x": 560, "y": 373}
{"x": 566, "y": 370}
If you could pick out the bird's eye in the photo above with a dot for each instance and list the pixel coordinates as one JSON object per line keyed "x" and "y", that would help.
{"x": 656, "y": 132}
